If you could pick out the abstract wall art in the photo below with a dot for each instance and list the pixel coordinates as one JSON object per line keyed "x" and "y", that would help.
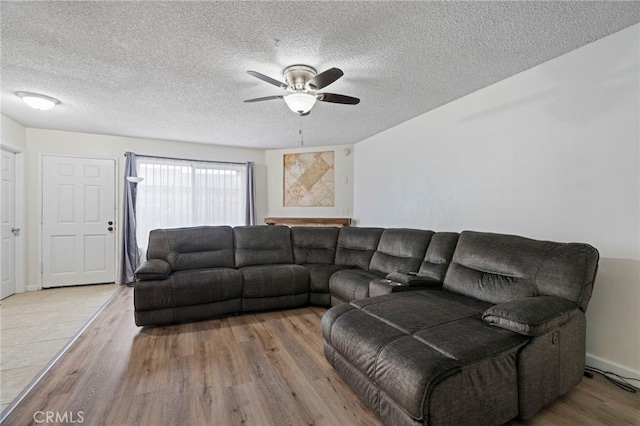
{"x": 309, "y": 179}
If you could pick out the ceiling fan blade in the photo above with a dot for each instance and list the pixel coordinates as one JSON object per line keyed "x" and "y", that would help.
{"x": 266, "y": 98}
{"x": 325, "y": 78}
{"x": 338, "y": 99}
{"x": 267, "y": 79}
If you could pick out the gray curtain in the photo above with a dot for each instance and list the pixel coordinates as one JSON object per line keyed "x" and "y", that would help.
{"x": 130, "y": 252}
{"x": 251, "y": 195}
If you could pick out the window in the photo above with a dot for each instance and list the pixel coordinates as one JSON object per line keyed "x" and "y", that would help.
{"x": 180, "y": 193}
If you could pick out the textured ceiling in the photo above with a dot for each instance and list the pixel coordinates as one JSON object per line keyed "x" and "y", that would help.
{"x": 177, "y": 70}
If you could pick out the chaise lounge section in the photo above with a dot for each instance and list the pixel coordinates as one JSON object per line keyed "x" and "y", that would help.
{"x": 504, "y": 336}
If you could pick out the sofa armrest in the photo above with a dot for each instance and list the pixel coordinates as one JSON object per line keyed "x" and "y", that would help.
{"x": 531, "y": 316}
{"x": 153, "y": 269}
{"x": 413, "y": 280}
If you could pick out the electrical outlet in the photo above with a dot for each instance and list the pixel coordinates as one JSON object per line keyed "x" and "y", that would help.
{"x": 344, "y": 212}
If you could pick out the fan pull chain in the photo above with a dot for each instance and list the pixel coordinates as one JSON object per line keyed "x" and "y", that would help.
{"x": 301, "y": 135}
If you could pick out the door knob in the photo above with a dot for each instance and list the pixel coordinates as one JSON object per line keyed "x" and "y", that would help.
{"x": 110, "y": 222}
{"x": 110, "y": 228}
{"x": 15, "y": 231}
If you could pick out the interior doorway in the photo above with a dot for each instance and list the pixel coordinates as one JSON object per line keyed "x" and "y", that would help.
{"x": 78, "y": 221}
{"x": 10, "y": 231}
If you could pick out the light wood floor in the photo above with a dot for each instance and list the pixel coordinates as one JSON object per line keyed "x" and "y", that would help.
{"x": 256, "y": 369}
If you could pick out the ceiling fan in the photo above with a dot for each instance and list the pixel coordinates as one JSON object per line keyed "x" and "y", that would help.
{"x": 303, "y": 83}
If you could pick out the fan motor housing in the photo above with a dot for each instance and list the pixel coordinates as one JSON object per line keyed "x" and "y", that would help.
{"x": 297, "y": 76}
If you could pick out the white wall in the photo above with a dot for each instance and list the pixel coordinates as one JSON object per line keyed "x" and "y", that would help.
{"x": 14, "y": 135}
{"x": 551, "y": 153}
{"x": 343, "y": 177}
{"x": 40, "y": 142}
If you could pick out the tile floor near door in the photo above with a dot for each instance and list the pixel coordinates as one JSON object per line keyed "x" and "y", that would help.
{"x": 35, "y": 325}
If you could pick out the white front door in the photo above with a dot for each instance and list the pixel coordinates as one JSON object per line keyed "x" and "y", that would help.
{"x": 78, "y": 221}
{"x": 8, "y": 220}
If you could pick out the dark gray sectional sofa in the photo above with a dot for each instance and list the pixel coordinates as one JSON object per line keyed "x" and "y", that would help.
{"x": 477, "y": 328}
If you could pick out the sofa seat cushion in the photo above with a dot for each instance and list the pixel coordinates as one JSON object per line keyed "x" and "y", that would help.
{"x": 352, "y": 284}
{"x": 409, "y": 344}
{"x": 411, "y": 312}
{"x": 184, "y": 288}
{"x": 319, "y": 276}
{"x": 274, "y": 280}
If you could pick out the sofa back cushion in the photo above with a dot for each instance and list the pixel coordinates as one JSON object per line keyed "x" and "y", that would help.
{"x": 496, "y": 268}
{"x": 262, "y": 245}
{"x": 356, "y": 246}
{"x": 400, "y": 249}
{"x": 314, "y": 245}
{"x": 439, "y": 254}
{"x": 193, "y": 248}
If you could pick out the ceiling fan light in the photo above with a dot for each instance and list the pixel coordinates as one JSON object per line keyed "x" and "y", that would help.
{"x": 300, "y": 103}
{"x": 37, "y": 101}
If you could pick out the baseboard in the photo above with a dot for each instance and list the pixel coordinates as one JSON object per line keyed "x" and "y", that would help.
{"x": 33, "y": 287}
{"x": 596, "y": 362}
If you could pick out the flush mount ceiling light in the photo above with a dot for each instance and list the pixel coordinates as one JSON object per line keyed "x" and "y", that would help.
{"x": 37, "y": 101}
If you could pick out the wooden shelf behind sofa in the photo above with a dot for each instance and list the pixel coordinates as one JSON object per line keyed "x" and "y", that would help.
{"x": 309, "y": 221}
